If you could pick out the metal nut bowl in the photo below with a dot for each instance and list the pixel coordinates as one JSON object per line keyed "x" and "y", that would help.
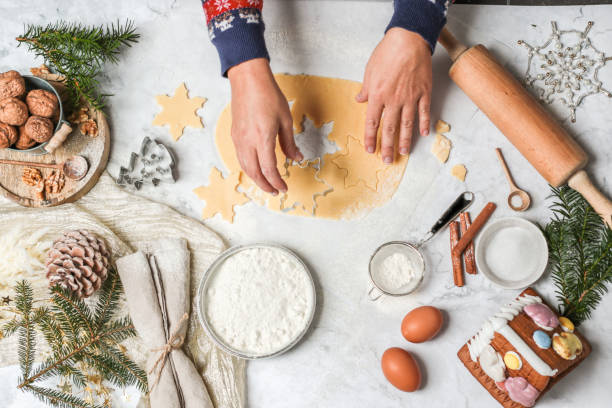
{"x": 33, "y": 82}
{"x": 201, "y": 301}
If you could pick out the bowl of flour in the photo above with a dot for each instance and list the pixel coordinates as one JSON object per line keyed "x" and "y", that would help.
{"x": 256, "y": 301}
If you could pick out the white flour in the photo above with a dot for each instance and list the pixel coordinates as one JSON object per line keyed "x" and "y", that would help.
{"x": 259, "y": 300}
{"x": 398, "y": 274}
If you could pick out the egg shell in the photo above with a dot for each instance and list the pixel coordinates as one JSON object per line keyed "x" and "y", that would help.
{"x": 401, "y": 369}
{"x": 422, "y": 324}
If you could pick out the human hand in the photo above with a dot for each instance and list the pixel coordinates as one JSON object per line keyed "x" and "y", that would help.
{"x": 260, "y": 112}
{"x": 397, "y": 81}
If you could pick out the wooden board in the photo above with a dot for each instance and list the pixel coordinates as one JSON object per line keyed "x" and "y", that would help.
{"x": 524, "y": 325}
{"x": 94, "y": 149}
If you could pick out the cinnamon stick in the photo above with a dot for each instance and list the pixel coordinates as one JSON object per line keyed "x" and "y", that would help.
{"x": 470, "y": 261}
{"x": 478, "y": 223}
{"x": 456, "y": 258}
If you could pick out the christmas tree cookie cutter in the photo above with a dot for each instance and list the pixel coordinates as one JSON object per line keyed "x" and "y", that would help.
{"x": 153, "y": 164}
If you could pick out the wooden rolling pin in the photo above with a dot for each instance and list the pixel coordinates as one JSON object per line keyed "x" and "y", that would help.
{"x": 523, "y": 120}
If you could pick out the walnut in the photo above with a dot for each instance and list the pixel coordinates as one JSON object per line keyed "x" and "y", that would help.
{"x": 42, "y": 103}
{"x": 13, "y": 111}
{"x": 40, "y": 190}
{"x": 8, "y": 135}
{"x": 79, "y": 116}
{"x": 31, "y": 176}
{"x": 24, "y": 141}
{"x": 39, "y": 129}
{"x": 89, "y": 127}
{"x": 11, "y": 85}
{"x": 54, "y": 182}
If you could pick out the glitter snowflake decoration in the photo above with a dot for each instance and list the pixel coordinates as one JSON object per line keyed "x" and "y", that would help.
{"x": 565, "y": 68}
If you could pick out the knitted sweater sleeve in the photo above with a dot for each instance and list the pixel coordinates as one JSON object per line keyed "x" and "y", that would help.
{"x": 424, "y": 17}
{"x": 235, "y": 28}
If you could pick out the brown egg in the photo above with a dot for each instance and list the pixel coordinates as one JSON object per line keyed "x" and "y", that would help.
{"x": 421, "y": 324}
{"x": 401, "y": 369}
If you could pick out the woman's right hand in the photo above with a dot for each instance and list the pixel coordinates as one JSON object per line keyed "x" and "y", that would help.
{"x": 260, "y": 112}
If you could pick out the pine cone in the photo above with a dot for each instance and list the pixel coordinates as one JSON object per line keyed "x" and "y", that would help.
{"x": 78, "y": 261}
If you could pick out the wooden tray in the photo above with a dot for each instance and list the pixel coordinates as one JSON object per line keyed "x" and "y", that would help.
{"x": 94, "y": 149}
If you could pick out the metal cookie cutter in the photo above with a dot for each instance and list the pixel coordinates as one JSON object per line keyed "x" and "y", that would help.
{"x": 153, "y": 164}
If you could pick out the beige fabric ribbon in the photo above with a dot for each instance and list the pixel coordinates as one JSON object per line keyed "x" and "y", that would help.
{"x": 175, "y": 342}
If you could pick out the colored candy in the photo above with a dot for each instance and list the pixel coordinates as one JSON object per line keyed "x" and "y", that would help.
{"x": 492, "y": 364}
{"x": 513, "y": 360}
{"x": 567, "y": 345}
{"x": 566, "y": 324}
{"x": 520, "y": 391}
{"x": 541, "y": 339}
{"x": 542, "y": 316}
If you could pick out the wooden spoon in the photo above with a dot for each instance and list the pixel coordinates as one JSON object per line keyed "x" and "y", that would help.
{"x": 75, "y": 167}
{"x": 514, "y": 190}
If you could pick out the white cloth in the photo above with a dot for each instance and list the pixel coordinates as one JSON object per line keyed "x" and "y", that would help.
{"x": 127, "y": 222}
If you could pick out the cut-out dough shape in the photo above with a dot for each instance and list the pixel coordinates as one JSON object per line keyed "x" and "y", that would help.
{"x": 441, "y": 148}
{"x": 304, "y": 186}
{"x": 221, "y": 195}
{"x": 356, "y": 154}
{"x": 459, "y": 171}
{"x": 179, "y": 111}
{"x": 322, "y": 100}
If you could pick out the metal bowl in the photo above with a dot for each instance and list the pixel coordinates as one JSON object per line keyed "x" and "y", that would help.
{"x": 201, "y": 301}
{"x": 32, "y": 82}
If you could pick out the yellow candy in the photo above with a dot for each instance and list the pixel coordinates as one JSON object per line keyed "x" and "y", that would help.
{"x": 567, "y": 345}
{"x": 566, "y": 324}
{"x": 513, "y": 360}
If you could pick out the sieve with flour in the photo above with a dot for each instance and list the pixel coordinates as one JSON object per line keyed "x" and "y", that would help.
{"x": 397, "y": 268}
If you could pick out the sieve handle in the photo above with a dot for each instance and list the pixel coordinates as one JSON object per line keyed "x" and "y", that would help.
{"x": 461, "y": 203}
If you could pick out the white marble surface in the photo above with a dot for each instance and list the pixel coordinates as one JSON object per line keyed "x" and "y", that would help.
{"x": 338, "y": 363}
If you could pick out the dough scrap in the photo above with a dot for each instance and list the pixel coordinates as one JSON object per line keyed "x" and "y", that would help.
{"x": 459, "y": 171}
{"x": 442, "y": 126}
{"x": 356, "y": 153}
{"x": 441, "y": 148}
{"x": 321, "y": 100}
{"x": 179, "y": 111}
{"x": 221, "y": 195}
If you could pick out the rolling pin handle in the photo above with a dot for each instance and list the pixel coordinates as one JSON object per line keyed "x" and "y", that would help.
{"x": 600, "y": 203}
{"x": 453, "y": 47}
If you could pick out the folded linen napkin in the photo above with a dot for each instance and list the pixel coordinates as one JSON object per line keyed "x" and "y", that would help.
{"x": 156, "y": 285}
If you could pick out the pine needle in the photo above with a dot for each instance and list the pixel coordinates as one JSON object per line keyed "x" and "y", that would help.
{"x": 580, "y": 247}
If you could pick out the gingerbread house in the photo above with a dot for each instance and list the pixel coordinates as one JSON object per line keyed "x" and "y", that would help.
{"x": 523, "y": 350}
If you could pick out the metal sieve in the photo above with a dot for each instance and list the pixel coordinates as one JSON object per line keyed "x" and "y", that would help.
{"x": 412, "y": 251}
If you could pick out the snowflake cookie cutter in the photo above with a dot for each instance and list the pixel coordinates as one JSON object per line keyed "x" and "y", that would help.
{"x": 567, "y": 73}
{"x": 153, "y": 164}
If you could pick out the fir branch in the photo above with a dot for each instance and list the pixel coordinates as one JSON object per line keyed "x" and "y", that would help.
{"x": 27, "y": 338}
{"x": 59, "y": 399}
{"x": 11, "y": 327}
{"x": 109, "y": 298}
{"x": 76, "y": 335}
{"x": 74, "y": 309}
{"x": 580, "y": 248}
{"x": 79, "y": 52}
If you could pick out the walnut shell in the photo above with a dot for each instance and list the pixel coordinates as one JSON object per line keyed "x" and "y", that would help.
{"x": 24, "y": 141}
{"x": 11, "y": 85}
{"x": 42, "y": 103}
{"x": 13, "y": 111}
{"x": 39, "y": 129}
{"x": 8, "y": 135}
